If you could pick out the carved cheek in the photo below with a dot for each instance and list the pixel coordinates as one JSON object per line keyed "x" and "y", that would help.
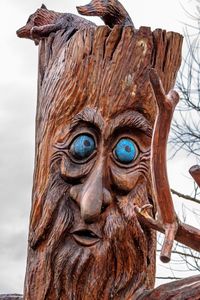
{"x": 70, "y": 170}
{"x": 124, "y": 179}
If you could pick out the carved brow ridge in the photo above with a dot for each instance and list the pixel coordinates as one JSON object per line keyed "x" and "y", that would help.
{"x": 89, "y": 115}
{"x": 131, "y": 119}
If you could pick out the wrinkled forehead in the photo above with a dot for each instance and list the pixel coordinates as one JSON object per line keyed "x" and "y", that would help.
{"x": 103, "y": 69}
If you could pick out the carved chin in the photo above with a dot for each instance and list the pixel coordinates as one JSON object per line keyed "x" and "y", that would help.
{"x": 93, "y": 267}
{"x": 100, "y": 262}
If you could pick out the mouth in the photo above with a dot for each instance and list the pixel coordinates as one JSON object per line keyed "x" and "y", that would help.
{"x": 85, "y": 237}
{"x": 23, "y": 32}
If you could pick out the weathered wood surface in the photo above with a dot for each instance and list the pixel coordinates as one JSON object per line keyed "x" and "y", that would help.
{"x": 167, "y": 221}
{"x": 166, "y": 214}
{"x": 111, "y": 12}
{"x": 185, "y": 289}
{"x": 90, "y": 235}
{"x": 11, "y": 297}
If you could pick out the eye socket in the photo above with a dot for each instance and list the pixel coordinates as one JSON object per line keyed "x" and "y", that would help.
{"x": 125, "y": 151}
{"x": 82, "y": 147}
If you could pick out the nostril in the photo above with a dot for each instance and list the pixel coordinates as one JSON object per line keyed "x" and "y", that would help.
{"x": 89, "y": 219}
{"x": 103, "y": 208}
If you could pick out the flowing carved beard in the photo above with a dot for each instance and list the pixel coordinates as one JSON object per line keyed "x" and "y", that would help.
{"x": 108, "y": 270}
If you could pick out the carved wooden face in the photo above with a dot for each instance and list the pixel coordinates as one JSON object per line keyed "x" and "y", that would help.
{"x": 104, "y": 160}
{"x": 95, "y": 113}
{"x": 93, "y": 157}
{"x": 99, "y": 172}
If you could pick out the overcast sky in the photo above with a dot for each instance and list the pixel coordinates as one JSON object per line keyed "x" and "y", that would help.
{"x": 18, "y": 83}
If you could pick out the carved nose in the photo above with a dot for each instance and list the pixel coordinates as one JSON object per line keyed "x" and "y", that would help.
{"x": 92, "y": 197}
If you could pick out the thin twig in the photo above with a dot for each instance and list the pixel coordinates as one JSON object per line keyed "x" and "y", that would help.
{"x": 187, "y": 197}
{"x": 167, "y": 277}
{"x": 183, "y": 254}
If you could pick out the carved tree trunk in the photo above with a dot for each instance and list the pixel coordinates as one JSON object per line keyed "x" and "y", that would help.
{"x": 94, "y": 90}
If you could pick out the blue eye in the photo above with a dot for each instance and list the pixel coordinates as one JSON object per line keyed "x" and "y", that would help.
{"x": 82, "y": 147}
{"x": 126, "y": 151}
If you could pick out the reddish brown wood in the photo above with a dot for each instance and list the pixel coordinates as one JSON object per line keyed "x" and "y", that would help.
{"x": 195, "y": 173}
{"x": 166, "y": 212}
{"x": 44, "y": 22}
{"x": 111, "y": 12}
{"x": 85, "y": 239}
{"x": 185, "y": 289}
{"x": 167, "y": 222}
{"x": 99, "y": 59}
{"x": 186, "y": 234}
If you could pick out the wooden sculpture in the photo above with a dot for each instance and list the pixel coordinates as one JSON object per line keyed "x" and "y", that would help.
{"x": 100, "y": 188}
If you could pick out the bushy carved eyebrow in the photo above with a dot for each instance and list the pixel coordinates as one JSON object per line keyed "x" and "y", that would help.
{"x": 130, "y": 119}
{"x": 88, "y": 115}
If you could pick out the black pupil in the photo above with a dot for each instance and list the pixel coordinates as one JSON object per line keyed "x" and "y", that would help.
{"x": 128, "y": 149}
{"x": 86, "y": 143}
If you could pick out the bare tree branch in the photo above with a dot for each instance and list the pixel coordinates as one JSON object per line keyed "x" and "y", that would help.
{"x": 184, "y": 254}
{"x": 167, "y": 277}
{"x": 187, "y": 197}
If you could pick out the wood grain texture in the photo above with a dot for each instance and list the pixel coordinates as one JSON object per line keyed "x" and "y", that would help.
{"x": 11, "y": 297}
{"x": 68, "y": 93}
{"x": 186, "y": 234}
{"x": 86, "y": 240}
{"x": 111, "y": 12}
{"x": 185, "y": 289}
{"x": 167, "y": 221}
{"x": 44, "y": 22}
{"x": 166, "y": 213}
